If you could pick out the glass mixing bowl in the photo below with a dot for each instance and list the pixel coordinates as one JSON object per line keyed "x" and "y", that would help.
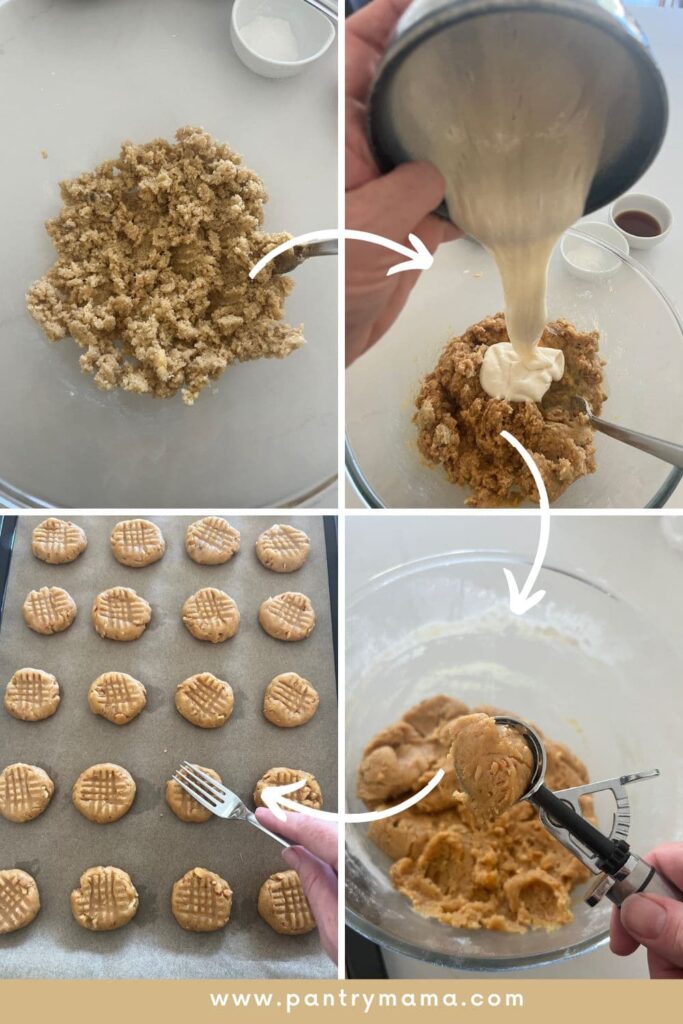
{"x": 641, "y": 339}
{"x": 586, "y": 667}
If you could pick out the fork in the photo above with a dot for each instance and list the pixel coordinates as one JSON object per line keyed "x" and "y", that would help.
{"x": 217, "y": 798}
{"x": 667, "y": 451}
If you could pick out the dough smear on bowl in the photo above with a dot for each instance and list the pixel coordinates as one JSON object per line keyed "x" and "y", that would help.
{"x": 459, "y": 425}
{"x": 152, "y": 280}
{"x": 507, "y": 874}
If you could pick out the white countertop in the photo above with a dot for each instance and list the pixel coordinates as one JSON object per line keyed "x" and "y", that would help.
{"x": 632, "y": 556}
{"x": 664, "y": 28}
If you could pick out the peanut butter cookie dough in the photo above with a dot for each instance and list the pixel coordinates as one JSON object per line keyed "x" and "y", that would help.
{"x": 282, "y": 548}
{"x": 152, "y": 273}
{"x": 117, "y": 697}
{"x": 49, "y": 610}
{"x": 211, "y": 615}
{"x": 290, "y": 700}
{"x": 289, "y": 616}
{"x": 185, "y": 806}
{"x": 459, "y": 425}
{"x": 137, "y": 543}
{"x": 25, "y": 792}
{"x": 120, "y": 614}
{"x": 204, "y": 700}
{"x": 201, "y": 901}
{"x": 309, "y": 794}
{"x": 211, "y": 541}
{"x": 105, "y": 900}
{"x": 507, "y": 875}
{"x": 32, "y": 695}
{"x": 493, "y": 764}
{"x": 56, "y": 541}
{"x": 19, "y": 900}
{"x": 283, "y": 905}
{"x": 104, "y": 793}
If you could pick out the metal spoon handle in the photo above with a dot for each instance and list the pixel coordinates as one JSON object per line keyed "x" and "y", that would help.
{"x": 253, "y": 820}
{"x": 665, "y": 450}
{"x": 320, "y": 5}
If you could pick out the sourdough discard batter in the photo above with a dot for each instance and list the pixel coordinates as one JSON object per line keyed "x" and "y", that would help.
{"x": 508, "y": 874}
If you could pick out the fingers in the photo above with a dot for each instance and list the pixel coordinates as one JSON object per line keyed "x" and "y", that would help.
{"x": 657, "y": 923}
{"x": 620, "y": 941}
{"x": 320, "y": 837}
{"x": 319, "y": 882}
{"x": 668, "y": 859}
{"x": 367, "y": 35}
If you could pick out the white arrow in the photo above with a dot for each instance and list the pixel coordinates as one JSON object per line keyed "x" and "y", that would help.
{"x": 418, "y": 258}
{"x": 522, "y": 600}
{"x": 274, "y": 798}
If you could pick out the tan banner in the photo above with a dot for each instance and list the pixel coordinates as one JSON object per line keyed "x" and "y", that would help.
{"x": 419, "y": 1002}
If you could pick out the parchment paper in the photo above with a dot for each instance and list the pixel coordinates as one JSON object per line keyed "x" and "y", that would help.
{"x": 150, "y": 842}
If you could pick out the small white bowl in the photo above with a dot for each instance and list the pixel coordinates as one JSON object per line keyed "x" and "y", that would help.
{"x": 313, "y": 31}
{"x": 657, "y": 208}
{"x": 590, "y": 262}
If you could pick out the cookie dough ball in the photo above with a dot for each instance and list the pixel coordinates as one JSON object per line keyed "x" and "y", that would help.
{"x": 283, "y": 905}
{"x": 211, "y": 615}
{"x": 282, "y": 548}
{"x": 290, "y": 700}
{"x": 104, "y": 793}
{"x": 117, "y": 697}
{"x": 309, "y": 794}
{"x": 56, "y": 541}
{"x": 25, "y": 792}
{"x": 120, "y": 614}
{"x": 185, "y": 806}
{"x": 49, "y": 610}
{"x": 137, "y": 542}
{"x": 211, "y": 541}
{"x": 32, "y": 695}
{"x": 201, "y": 901}
{"x": 288, "y": 616}
{"x": 493, "y": 763}
{"x": 19, "y": 900}
{"x": 205, "y": 700}
{"x": 105, "y": 900}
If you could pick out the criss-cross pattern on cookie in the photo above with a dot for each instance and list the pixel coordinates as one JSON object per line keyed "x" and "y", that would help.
{"x": 14, "y": 903}
{"x": 289, "y": 902}
{"x": 51, "y": 607}
{"x": 307, "y": 794}
{"x": 118, "y": 694}
{"x": 30, "y": 689}
{"x": 283, "y": 540}
{"x": 293, "y": 693}
{"x": 102, "y": 788}
{"x": 208, "y": 694}
{"x": 137, "y": 537}
{"x": 291, "y": 611}
{"x": 198, "y": 903}
{"x": 103, "y": 896}
{"x": 21, "y": 790}
{"x": 57, "y": 537}
{"x": 214, "y": 533}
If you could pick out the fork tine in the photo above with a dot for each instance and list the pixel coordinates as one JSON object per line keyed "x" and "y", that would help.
{"x": 201, "y": 778}
{"x": 209, "y": 802}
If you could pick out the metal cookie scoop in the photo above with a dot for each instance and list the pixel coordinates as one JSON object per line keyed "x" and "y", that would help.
{"x": 293, "y": 258}
{"x": 665, "y": 450}
{"x": 619, "y": 871}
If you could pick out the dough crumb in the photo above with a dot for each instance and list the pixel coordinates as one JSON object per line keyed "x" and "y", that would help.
{"x": 152, "y": 279}
{"x": 44, "y": 153}
{"x": 459, "y": 425}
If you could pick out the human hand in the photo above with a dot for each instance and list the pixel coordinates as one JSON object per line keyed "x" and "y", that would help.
{"x": 314, "y": 858}
{"x": 393, "y": 205}
{"x": 653, "y": 921}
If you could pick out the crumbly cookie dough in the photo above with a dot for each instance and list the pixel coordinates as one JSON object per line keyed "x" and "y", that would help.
{"x": 204, "y": 700}
{"x": 290, "y": 700}
{"x": 185, "y": 806}
{"x": 104, "y": 793}
{"x": 459, "y": 425}
{"x": 49, "y": 610}
{"x": 309, "y": 794}
{"x": 493, "y": 764}
{"x": 105, "y": 900}
{"x": 120, "y": 614}
{"x": 201, "y": 901}
{"x": 25, "y": 792}
{"x": 152, "y": 274}
{"x": 211, "y": 615}
{"x": 283, "y": 905}
{"x": 211, "y": 541}
{"x": 283, "y": 548}
{"x": 56, "y": 541}
{"x": 19, "y": 900}
{"x": 508, "y": 875}
{"x": 32, "y": 695}
{"x": 117, "y": 697}
{"x": 137, "y": 542}
{"x": 289, "y": 616}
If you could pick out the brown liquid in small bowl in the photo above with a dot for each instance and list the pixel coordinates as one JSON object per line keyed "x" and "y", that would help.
{"x": 637, "y": 222}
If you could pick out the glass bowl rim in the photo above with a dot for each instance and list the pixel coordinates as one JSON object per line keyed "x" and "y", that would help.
{"x": 459, "y": 556}
{"x": 370, "y": 497}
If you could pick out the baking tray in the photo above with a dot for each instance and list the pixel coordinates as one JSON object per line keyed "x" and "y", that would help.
{"x": 150, "y": 842}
